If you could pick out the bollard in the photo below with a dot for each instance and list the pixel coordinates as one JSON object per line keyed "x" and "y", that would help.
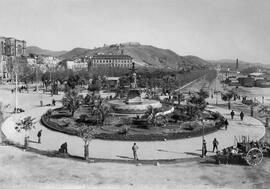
{"x": 266, "y": 121}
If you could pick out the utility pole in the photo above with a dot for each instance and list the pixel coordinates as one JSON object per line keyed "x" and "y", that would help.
{"x": 203, "y": 147}
{"x": 36, "y": 72}
{"x": 16, "y": 78}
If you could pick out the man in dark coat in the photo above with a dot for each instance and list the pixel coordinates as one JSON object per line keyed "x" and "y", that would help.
{"x": 232, "y": 114}
{"x": 39, "y": 136}
{"x": 241, "y": 115}
{"x": 215, "y": 144}
{"x": 204, "y": 148}
{"x": 226, "y": 124}
{"x": 135, "y": 149}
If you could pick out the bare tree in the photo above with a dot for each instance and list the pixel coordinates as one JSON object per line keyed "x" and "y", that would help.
{"x": 25, "y": 125}
{"x": 87, "y": 134}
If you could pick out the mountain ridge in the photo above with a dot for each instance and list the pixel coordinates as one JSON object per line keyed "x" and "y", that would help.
{"x": 144, "y": 55}
{"x": 40, "y": 51}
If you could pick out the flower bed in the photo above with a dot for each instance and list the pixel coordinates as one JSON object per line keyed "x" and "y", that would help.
{"x": 145, "y": 135}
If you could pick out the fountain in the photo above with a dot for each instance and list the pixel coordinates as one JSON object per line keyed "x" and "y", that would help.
{"x": 134, "y": 104}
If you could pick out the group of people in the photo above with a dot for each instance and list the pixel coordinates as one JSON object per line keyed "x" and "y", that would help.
{"x": 204, "y": 147}
{"x": 53, "y": 103}
{"x": 241, "y": 115}
{"x": 20, "y": 89}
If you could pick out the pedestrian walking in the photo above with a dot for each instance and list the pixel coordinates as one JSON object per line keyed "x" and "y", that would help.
{"x": 41, "y": 103}
{"x": 135, "y": 149}
{"x": 232, "y": 114}
{"x": 53, "y": 102}
{"x": 39, "y": 136}
{"x": 226, "y": 124}
{"x": 215, "y": 144}
{"x": 241, "y": 115}
{"x": 204, "y": 148}
{"x": 229, "y": 105}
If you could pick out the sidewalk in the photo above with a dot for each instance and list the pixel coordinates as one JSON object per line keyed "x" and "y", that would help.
{"x": 171, "y": 149}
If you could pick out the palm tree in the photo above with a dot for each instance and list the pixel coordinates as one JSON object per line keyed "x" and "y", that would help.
{"x": 103, "y": 111}
{"x": 72, "y": 101}
{"x": 86, "y": 134}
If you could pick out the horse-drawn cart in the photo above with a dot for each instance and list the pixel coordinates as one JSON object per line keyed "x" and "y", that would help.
{"x": 244, "y": 153}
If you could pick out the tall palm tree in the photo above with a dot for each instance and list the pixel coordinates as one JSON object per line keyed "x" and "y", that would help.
{"x": 72, "y": 101}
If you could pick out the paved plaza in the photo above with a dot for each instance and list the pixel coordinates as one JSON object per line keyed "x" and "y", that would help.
{"x": 169, "y": 149}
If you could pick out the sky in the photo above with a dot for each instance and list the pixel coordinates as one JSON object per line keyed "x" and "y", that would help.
{"x": 210, "y": 29}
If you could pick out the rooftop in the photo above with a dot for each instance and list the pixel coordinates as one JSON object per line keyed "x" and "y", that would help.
{"x": 112, "y": 56}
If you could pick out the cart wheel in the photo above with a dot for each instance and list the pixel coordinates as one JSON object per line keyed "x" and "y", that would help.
{"x": 254, "y": 156}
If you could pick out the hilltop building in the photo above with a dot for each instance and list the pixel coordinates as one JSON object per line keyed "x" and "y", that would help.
{"x": 102, "y": 60}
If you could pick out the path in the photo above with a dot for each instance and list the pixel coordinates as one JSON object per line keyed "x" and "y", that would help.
{"x": 171, "y": 149}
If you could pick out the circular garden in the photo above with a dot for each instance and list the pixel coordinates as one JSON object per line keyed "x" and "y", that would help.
{"x": 188, "y": 119}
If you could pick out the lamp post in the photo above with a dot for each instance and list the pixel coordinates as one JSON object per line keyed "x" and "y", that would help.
{"x": 16, "y": 77}
{"x": 16, "y": 85}
{"x": 36, "y": 79}
{"x": 203, "y": 143}
{"x": 216, "y": 97}
{"x": 202, "y": 129}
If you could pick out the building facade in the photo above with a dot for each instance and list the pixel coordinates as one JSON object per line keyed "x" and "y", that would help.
{"x": 102, "y": 60}
{"x": 9, "y": 49}
{"x": 75, "y": 65}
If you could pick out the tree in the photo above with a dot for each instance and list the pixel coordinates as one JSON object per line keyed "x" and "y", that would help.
{"x": 72, "y": 101}
{"x": 25, "y": 124}
{"x": 204, "y": 94}
{"x": 198, "y": 101}
{"x": 96, "y": 84}
{"x": 86, "y": 134}
{"x": 73, "y": 80}
{"x": 46, "y": 79}
{"x": 103, "y": 111}
{"x": 227, "y": 97}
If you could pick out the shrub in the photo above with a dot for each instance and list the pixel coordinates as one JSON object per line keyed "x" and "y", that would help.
{"x": 123, "y": 131}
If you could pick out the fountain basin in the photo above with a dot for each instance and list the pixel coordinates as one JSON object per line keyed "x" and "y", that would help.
{"x": 121, "y": 107}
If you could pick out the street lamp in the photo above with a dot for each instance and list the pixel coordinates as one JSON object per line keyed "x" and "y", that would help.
{"x": 16, "y": 81}
{"x": 202, "y": 129}
{"x": 15, "y": 68}
{"x": 203, "y": 144}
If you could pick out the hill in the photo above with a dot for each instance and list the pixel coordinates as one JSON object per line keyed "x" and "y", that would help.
{"x": 144, "y": 55}
{"x": 40, "y": 51}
